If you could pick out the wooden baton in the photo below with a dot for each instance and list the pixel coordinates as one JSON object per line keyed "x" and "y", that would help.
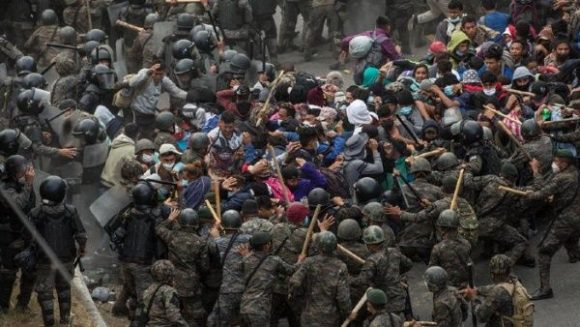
{"x": 270, "y": 95}
{"x": 566, "y": 120}
{"x": 514, "y": 140}
{"x": 422, "y": 323}
{"x": 182, "y": 1}
{"x": 457, "y": 189}
{"x": 502, "y": 115}
{"x": 512, "y": 190}
{"x": 213, "y": 213}
{"x": 89, "y": 18}
{"x": 310, "y": 231}
{"x": 357, "y": 308}
{"x": 218, "y": 199}
{"x": 350, "y": 254}
{"x": 129, "y": 26}
{"x": 437, "y": 152}
{"x": 518, "y": 92}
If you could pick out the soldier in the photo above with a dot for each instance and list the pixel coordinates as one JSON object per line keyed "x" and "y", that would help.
{"x": 12, "y": 142}
{"x": 228, "y": 303}
{"x": 366, "y": 190}
{"x": 322, "y": 10}
{"x": 19, "y": 176}
{"x": 133, "y": 14}
{"x": 167, "y": 52}
{"x": 380, "y": 316}
{"x": 17, "y": 22}
{"x": 564, "y": 230}
{"x": 263, "y": 21}
{"x": 136, "y": 241}
{"x": 165, "y": 127}
{"x": 46, "y": 33}
{"x": 384, "y": 269}
{"x": 252, "y": 222}
{"x": 235, "y": 18}
{"x": 481, "y": 158}
{"x": 160, "y": 300}
{"x": 537, "y": 145}
{"x": 375, "y": 216}
{"x": 142, "y": 52}
{"x": 234, "y": 72}
{"x": 505, "y": 302}
{"x": 68, "y": 37}
{"x": 189, "y": 254}
{"x": 61, "y": 227}
{"x": 290, "y": 11}
{"x": 421, "y": 169}
{"x": 261, "y": 269}
{"x": 453, "y": 252}
{"x": 448, "y": 306}
{"x": 322, "y": 282}
{"x": 144, "y": 150}
{"x": 75, "y": 15}
{"x": 399, "y": 12}
{"x": 68, "y": 85}
{"x": 198, "y": 148}
{"x": 100, "y": 88}
{"x": 9, "y": 54}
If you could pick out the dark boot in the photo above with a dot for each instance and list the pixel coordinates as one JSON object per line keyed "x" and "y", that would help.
{"x": 542, "y": 294}
{"x": 120, "y": 308}
{"x": 47, "y": 307}
{"x": 6, "y": 283}
{"x": 27, "y": 280}
{"x": 64, "y": 305}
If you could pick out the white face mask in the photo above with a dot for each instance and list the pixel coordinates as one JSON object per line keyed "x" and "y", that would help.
{"x": 489, "y": 92}
{"x": 168, "y": 166}
{"x": 147, "y": 158}
{"x": 555, "y": 168}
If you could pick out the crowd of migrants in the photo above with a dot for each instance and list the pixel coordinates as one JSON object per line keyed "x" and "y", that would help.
{"x": 258, "y": 192}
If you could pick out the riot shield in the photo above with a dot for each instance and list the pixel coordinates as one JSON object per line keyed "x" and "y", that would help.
{"x": 120, "y": 66}
{"x": 95, "y": 155}
{"x": 53, "y": 118}
{"x": 114, "y": 10}
{"x": 51, "y": 76}
{"x": 109, "y": 204}
{"x": 160, "y": 31}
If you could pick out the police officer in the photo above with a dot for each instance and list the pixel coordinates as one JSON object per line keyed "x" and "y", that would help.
{"x": 481, "y": 158}
{"x": 235, "y": 72}
{"x": 100, "y": 88}
{"x": 17, "y": 185}
{"x": 12, "y": 142}
{"x": 367, "y": 190}
{"x": 263, "y": 22}
{"x": 235, "y": 18}
{"x": 61, "y": 227}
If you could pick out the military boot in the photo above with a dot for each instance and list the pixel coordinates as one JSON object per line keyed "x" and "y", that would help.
{"x": 47, "y": 307}
{"x": 64, "y": 306}
{"x": 6, "y": 283}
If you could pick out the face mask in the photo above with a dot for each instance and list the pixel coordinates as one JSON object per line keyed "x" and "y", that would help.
{"x": 406, "y": 110}
{"x": 555, "y": 168}
{"x": 146, "y": 158}
{"x": 454, "y": 20}
{"x": 168, "y": 166}
{"x": 489, "y": 92}
{"x": 448, "y": 90}
{"x": 184, "y": 182}
{"x": 459, "y": 53}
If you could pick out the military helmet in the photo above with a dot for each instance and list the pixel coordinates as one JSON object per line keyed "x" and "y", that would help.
{"x": 530, "y": 129}
{"x": 373, "y": 235}
{"x": 150, "y": 20}
{"x": 184, "y": 66}
{"x": 103, "y": 76}
{"x": 9, "y": 141}
{"x": 318, "y": 196}
{"x": 259, "y": 239}
{"x": 446, "y": 161}
{"x": 436, "y": 278}
{"x": 67, "y": 35}
{"x": 100, "y": 53}
{"x": 376, "y": 296}
{"x": 131, "y": 170}
{"x": 185, "y": 22}
{"x": 240, "y": 63}
{"x": 349, "y": 230}
{"x": 367, "y": 189}
{"x": 15, "y": 165}
{"x": 165, "y": 121}
{"x": 199, "y": 142}
{"x": 448, "y": 219}
{"x": 500, "y": 264}
{"x": 34, "y": 80}
{"x": 229, "y": 55}
{"x": 374, "y": 211}
{"x": 508, "y": 170}
{"x": 471, "y": 132}
{"x": 52, "y": 190}
{"x": 89, "y": 47}
{"x": 48, "y": 17}
{"x": 25, "y": 65}
{"x": 181, "y": 49}
{"x": 29, "y": 102}
{"x": 144, "y": 144}
{"x": 144, "y": 195}
{"x": 231, "y": 219}
{"x": 203, "y": 41}
{"x": 326, "y": 242}
{"x": 163, "y": 271}
{"x": 87, "y": 128}
{"x": 188, "y": 217}
{"x": 96, "y": 35}
{"x": 420, "y": 165}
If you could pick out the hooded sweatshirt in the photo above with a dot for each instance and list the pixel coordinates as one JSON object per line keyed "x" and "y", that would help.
{"x": 457, "y": 38}
{"x": 121, "y": 147}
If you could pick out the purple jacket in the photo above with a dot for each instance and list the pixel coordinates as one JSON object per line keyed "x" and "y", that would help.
{"x": 388, "y": 47}
{"x": 311, "y": 179}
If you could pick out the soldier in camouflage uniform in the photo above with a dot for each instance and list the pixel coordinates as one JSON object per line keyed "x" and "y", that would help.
{"x": 290, "y": 11}
{"x": 375, "y": 216}
{"x": 165, "y": 127}
{"x": 68, "y": 84}
{"x": 261, "y": 270}
{"x": 322, "y": 10}
{"x": 160, "y": 300}
{"x": 384, "y": 269}
{"x": 198, "y": 148}
{"x": 421, "y": 170}
{"x": 227, "y": 305}
{"x": 380, "y": 316}
{"x": 263, "y": 21}
{"x": 133, "y": 14}
{"x": 537, "y": 145}
{"x": 447, "y": 304}
{"x": 234, "y": 17}
{"x": 36, "y": 44}
{"x": 142, "y": 52}
{"x": 189, "y": 254}
{"x": 453, "y": 252}
{"x": 562, "y": 185}
{"x": 75, "y": 14}
{"x": 287, "y": 239}
{"x": 322, "y": 282}
{"x": 252, "y": 223}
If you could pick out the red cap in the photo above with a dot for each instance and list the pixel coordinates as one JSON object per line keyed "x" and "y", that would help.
{"x": 296, "y": 212}
{"x": 437, "y": 47}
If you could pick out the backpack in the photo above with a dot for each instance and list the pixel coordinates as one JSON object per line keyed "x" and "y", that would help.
{"x": 123, "y": 98}
{"x": 523, "y": 306}
{"x": 368, "y": 52}
{"x": 336, "y": 184}
{"x": 468, "y": 224}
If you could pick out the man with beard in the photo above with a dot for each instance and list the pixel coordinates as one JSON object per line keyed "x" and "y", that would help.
{"x": 559, "y": 55}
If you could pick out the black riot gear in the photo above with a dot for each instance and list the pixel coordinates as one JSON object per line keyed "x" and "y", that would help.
{"x": 471, "y": 132}
{"x": 29, "y": 102}
{"x": 203, "y": 41}
{"x": 87, "y": 128}
{"x": 9, "y": 141}
{"x": 103, "y": 76}
{"x": 144, "y": 195}
{"x": 367, "y": 189}
{"x": 185, "y": 22}
{"x": 15, "y": 165}
{"x": 99, "y": 54}
{"x": 52, "y": 190}
{"x": 25, "y": 65}
{"x": 34, "y": 80}
{"x": 89, "y": 47}
{"x": 184, "y": 66}
{"x": 318, "y": 196}
{"x": 240, "y": 63}
{"x": 181, "y": 49}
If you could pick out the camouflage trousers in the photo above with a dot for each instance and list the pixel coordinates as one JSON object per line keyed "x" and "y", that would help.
{"x": 254, "y": 320}
{"x": 49, "y": 279}
{"x": 506, "y": 236}
{"x": 290, "y": 12}
{"x": 318, "y": 16}
{"x": 136, "y": 278}
{"x": 561, "y": 234}
{"x": 225, "y": 310}
{"x": 281, "y": 309}
{"x": 192, "y": 310}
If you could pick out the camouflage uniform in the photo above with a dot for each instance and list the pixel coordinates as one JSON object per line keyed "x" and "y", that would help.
{"x": 165, "y": 308}
{"x": 383, "y": 270}
{"x": 497, "y": 302}
{"x": 36, "y": 45}
{"x": 255, "y": 225}
{"x": 290, "y": 11}
{"x": 322, "y": 10}
{"x": 189, "y": 156}
{"x": 142, "y": 52}
{"x": 232, "y": 287}
{"x": 541, "y": 149}
{"x": 68, "y": 84}
{"x": 189, "y": 254}
{"x": 322, "y": 282}
{"x": 453, "y": 255}
{"x": 163, "y": 138}
{"x": 447, "y": 308}
{"x": 385, "y": 319}
{"x": 135, "y": 15}
{"x": 565, "y": 230}
{"x": 234, "y": 18}
{"x": 16, "y": 21}
{"x": 425, "y": 189}
{"x": 261, "y": 270}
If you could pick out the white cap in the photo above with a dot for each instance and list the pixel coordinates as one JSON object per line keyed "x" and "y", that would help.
{"x": 168, "y": 148}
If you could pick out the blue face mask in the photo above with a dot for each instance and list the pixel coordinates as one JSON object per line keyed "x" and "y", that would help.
{"x": 454, "y": 20}
{"x": 448, "y": 90}
{"x": 406, "y": 110}
{"x": 459, "y": 53}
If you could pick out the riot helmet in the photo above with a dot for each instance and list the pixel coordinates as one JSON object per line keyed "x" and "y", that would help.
{"x": 96, "y": 35}
{"x": 436, "y": 278}
{"x": 240, "y": 63}
{"x": 150, "y": 20}
{"x": 318, "y": 196}
{"x": 181, "y": 49}
{"x": 470, "y": 132}
{"x": 99, "y": 54}
{"x": 25, "y": 65}
{"x": 231, "y": 219}
{"x": 420, "y": 165}
{"x": 448, "y": 219}
{"x": 9, "y": 141}
{"x": 35, "y": 80}
{"x": 367, "y": 189}
{"x": 326, "y": 242}
{"x": 446, "y": 161}
{"x": 199, "y": 142}
{"x": 29, "y": 102}
{"x": 185, "y": 22}
{"x": 373, "y": 235}
{"x": 88, "y": 129}
{"x": 184, "y": 66}
{"x": 188, "y": 218}
{"x": 15, "y": 166}
{"x": 103, "y": 76}
{"x": 203, "y": 40}
{"x": 165, "y": 121}
{"x": 67, "y": 35}
{"x": 89, "y": 47}
{"x": 144, "y": 195}
{"x": 48, "y": 17}
{"x": 52, "y": 190}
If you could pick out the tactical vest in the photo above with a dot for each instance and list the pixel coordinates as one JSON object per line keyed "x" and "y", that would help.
{"x": 262, "y": 9}
{"x": 139, "y": 244}
{"x": 58, "y": 230}
{"x": 229, "y": 15}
